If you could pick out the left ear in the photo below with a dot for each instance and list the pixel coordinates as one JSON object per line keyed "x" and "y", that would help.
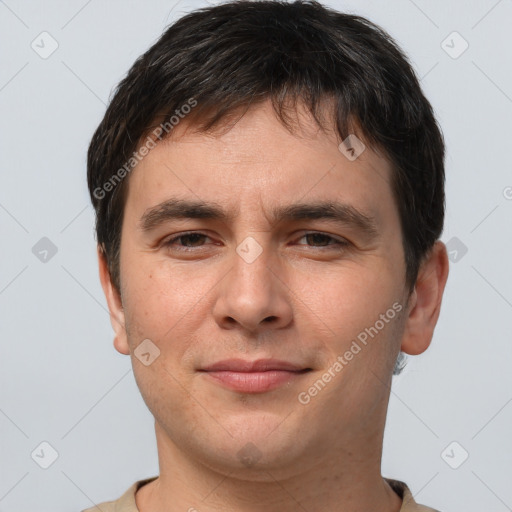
{"x": 425, "y": 301}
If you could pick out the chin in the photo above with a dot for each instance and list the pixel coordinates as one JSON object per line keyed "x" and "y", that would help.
{"x": 268, "y": 443}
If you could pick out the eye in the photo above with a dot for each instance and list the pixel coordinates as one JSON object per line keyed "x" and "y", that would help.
{"x": 323, "y": 240}
{"x": 188, "y": 241}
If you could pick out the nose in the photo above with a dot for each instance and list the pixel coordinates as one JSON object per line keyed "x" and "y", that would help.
{"x": 253, "y": 295}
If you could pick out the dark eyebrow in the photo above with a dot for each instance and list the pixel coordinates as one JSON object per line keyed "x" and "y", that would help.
{"x": 181, "y": 209}
{"x": 187, "y": 209}
{"x": 339, "y": 212}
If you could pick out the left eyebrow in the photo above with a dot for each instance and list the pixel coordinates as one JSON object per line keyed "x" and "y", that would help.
{"x": 339, "y": 212}
{"x": 186, "y": 209}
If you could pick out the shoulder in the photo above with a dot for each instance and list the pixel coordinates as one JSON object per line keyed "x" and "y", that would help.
{"x": 126, "y": 503}
{"x": 408, "y": 502}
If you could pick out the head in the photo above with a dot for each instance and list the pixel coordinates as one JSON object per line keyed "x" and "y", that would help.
{"x": 234, "y": 126}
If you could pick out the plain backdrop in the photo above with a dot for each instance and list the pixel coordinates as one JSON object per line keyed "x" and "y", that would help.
{"x": 62, "y": 382}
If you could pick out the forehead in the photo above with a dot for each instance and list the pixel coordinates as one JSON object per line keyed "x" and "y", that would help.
{"x": 256, "y": 160}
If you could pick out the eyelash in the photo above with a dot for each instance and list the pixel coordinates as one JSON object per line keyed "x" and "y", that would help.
{"x": 339, "y": 243}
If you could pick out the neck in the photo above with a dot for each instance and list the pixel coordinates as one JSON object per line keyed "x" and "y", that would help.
{"x": 339, "y": 479}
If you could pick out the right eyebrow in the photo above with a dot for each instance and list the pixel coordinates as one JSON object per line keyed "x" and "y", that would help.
{"x": 181, "y": 209}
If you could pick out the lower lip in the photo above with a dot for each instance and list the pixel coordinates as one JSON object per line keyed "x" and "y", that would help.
{"x": 254, "y": 382}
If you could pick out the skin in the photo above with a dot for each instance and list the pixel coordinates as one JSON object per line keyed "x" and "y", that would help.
{"x": 304, "y": 299}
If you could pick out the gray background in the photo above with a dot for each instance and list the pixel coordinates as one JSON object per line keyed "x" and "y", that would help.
{"x": 62, "y": 381}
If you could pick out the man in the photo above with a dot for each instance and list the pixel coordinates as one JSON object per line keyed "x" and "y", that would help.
{"x": 268, "y": 182}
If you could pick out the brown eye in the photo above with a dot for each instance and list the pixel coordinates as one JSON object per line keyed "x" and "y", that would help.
{"x": 322, "y": 240}
{"x": 187, "y": 240}
{"x": 318, "y": 239}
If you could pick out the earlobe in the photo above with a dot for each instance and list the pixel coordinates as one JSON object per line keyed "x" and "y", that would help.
{"x": 426, "y": 301}
{"x": 117, "y": 318}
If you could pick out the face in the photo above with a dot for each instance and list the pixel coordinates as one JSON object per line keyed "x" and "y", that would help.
{"x": 273, "y": 297}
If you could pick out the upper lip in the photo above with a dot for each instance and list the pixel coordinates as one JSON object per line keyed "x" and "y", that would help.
{"x": 260, "y": 365}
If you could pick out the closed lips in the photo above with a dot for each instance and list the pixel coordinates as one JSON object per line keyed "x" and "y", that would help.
{"x": 261, "y": 365}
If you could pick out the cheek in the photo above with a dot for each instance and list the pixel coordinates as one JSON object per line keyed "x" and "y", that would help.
{"x": 156, "y": 293}
{"x": 159, "y": 306}
{"x": 167, "y": 304}
{"x": 347, "y": 298}
{"x": 347, "y": 306}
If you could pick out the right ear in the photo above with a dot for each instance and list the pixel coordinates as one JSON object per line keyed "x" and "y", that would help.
{"x": 115, "y": 306}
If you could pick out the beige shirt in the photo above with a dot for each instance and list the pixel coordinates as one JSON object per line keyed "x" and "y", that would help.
{"x": 126, "y": 503}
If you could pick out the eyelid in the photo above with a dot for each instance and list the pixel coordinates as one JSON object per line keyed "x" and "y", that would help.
{"x": 176, "y": 236}
{"x": 339, "y": 241}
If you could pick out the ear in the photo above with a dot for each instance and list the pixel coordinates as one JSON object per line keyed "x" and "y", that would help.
{"x": 115, "y": 306}
{"x": 425, "y": 301}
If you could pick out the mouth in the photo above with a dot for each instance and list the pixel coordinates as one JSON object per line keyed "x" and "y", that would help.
{"x": 253, "y": 376}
